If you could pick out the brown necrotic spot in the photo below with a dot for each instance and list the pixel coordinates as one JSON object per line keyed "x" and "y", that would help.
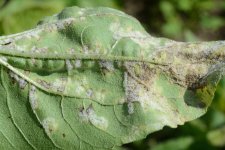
{"x": 195, "y": 82}
{"x": 45, "y": 84}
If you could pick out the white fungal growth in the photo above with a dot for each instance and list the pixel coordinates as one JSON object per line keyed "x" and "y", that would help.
{"x": 99, "y": 95}
{"x": 89, "y": 92}
{"x": 50, "y": 125}
{"x": 107, "y": 65}
{"x": 33, "y": 61}
{"x": 132, "y": 88}
{"x": 28, "y": 34}
{"x": 80, "y": 12}
{"x": 32, "y": 97}
{"x": 99, "y": 122}
{"x": 83, "y": 115}
{"x": 9, "y": 40}
{"x": 134, "y": 92}
{"x": 36, "y": 49}
{"x": 13, "y": 75}
{"x": 125, "y": 83}
{"x": 150, "y": 101}
{"x": 3, "y": 58}
{"x": 19, "y": 48}
{"x": 130, "y": 107}
{"x": 130, "y": 95}
{"x": 138, "y": 37}
{"x": 22, "y": 83}
{"x": 85, "y": 49}
{"x": 78, "y": 63}
{"x": 60, "y": 26}
{"x": 84, "y": 81}
{"x": 120, "y": 32}
{"x": 72, "y": 50}
{"x": 69, "y": 66}
{"x": 90, "y": 115}
{"x": 59, "y": 84}
{"x": 97, "y": 51}
{"x": 80, "y": 89}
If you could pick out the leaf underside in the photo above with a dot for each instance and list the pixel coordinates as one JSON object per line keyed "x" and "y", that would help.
{"x": 95, "y": 79}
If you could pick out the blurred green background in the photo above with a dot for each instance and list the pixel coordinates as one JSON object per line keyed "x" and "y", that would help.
{"x": 184, "y": 20}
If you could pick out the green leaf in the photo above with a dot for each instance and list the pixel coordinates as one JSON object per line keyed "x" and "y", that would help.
{"x": 217, "y": 137}
{"x": 15, "y": 19}
{"x": 181, "y": 143}
{"x": 95, "y": 3}
{"x": 95, "y": 79}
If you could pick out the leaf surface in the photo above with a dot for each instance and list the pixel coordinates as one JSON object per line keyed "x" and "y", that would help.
{"x": 95, "y": 79}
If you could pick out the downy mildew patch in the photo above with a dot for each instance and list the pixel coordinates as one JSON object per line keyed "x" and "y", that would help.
{"x": 89, "y": 115}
